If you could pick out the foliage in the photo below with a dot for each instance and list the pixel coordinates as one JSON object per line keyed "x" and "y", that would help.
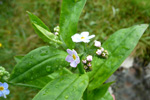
{"x": 93, "y": 59}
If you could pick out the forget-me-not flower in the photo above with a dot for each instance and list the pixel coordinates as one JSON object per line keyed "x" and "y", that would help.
{"x": 83, "y": 37}
{"x": 4, "y": 89}
{"x": 73, "y": 58}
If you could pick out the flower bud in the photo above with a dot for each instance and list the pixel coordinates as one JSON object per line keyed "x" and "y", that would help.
{"x": 56, "y": 33}
{"x": 106, "y": 52}
{"x": 5, "y": 78}
{"x": 56, "y": 29}
{"x": 89, "y": 64}
{"x": 2, "y": 68}
{"x": 102, "y": 49}
{"x": 84, "y": 61}
{"x": 98, "y": 52}
{"x": 103, "y": 54}
{"x": 89, "y": 58}
{"x": 97, "y": 43}
{"x": 1, "y": 73}
{"x": 85, "y": 67}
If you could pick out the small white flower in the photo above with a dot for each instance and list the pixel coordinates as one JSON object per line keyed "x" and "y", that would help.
{"x": 83, "y": 37}
{"x": 98, "y": 52}
{"x": 89, "y": 58}
{"x": 97, "y": 43}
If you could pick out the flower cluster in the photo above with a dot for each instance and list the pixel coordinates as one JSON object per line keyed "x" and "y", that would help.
{"x": 4, "y": 75}
{"x": 4, "y": 89}
{"x": 87, "y": 63}
{"x": 56, "y": 30}
{"x": 100, "y": 51}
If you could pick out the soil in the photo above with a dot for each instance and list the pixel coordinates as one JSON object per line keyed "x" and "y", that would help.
{"x": 133, "y": 83}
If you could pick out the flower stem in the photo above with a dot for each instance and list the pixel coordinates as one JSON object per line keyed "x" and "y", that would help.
{"x": 80, "y": 67}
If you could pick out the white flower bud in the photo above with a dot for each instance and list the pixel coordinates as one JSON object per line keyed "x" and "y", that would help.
{"x": 102, "y": 49}
{"x": 89, "y": 64}
{"x": 84, "y": 61}
{"x": 97, "y": 43}
{"x": 103, "y": 54}
{"x": 98, "y": 52}
{"x": 106, "y": 52}
{"x": 56, "y": 29}
{"x": 89, "y": 58}
{"x": 56, "y": 33}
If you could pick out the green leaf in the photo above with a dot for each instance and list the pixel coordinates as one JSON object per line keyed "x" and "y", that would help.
{"x": 107, "y": 96}
{"x": 18, "y": 58}
{"x": 37, "y": 63}
{"x": 43, "y": 31}
{"x": 98, "y": 93}
{"x": 119, "y": 46}
{"x": 70, "y": 13}
{"x": 36, "y": 20}
{"x": 46, "y": 35}
{"x": 42, "y": 81}
{"x": 69, "y": 87}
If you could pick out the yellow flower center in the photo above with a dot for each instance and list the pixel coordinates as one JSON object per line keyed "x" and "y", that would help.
{"x": 74, "y": 57}
{"x": 1, "y": 88}
{"x": 82, "y": 37}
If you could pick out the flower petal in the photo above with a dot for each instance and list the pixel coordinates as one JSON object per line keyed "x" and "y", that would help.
{"x": 74, "y": 52}
{"x": 1, "y": 84}
{"x": 5, "y": 85}
{"x": 69, "y": 52}
{"x": 6, "y": 91}
{"x": 78, "y": 60}
{"x": 73, "y": 64}
{"x": 1, "y": 93}
{"x": 92, "y": 36}
{"x": 85, "y": 34}
{"x": 76, "y": 38}
{"x": 69, "y": 58}
{"x": 86, "y": 40}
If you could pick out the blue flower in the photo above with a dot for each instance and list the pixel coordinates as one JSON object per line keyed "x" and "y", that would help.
{"x": 4, "y": 89}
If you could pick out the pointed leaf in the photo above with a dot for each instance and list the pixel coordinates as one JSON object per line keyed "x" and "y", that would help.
{"x": 43, "y": 31}
{"x": 70, "y": 13}
{"x": 107, "y": 96}
{"x": 67, "y": 87}
{"x": 46, "y": 35}
{"x": 119, "y": 46}
{"x": 36, "y": 20}
{"x": 37, "y": 63}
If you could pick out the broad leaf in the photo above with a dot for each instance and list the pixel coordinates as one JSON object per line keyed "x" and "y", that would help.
{"x": 70, "y": 13}
{"x": 39, "y": 62}
{"x": 99, "y": 93}
{"x": 119, "y": 46}
{"x": 69, "y": 87}
{"x": 42, "y": 81}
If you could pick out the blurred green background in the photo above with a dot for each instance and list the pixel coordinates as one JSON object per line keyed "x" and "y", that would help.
{"x": 101, "y": 17}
